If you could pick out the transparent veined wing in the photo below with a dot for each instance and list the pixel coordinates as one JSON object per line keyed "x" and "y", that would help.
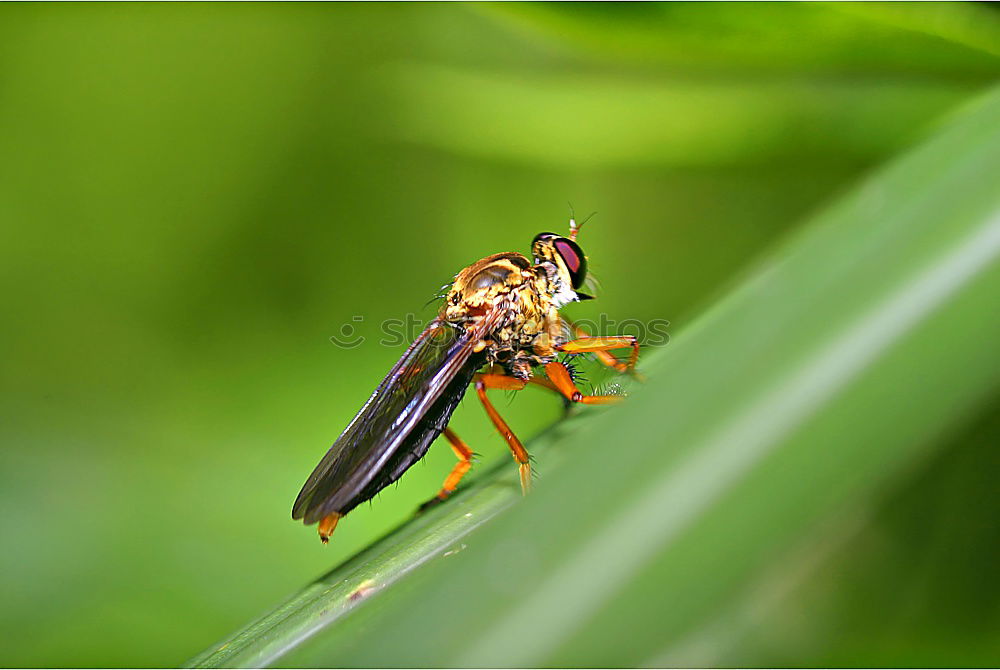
{"x": 413, "y": 385}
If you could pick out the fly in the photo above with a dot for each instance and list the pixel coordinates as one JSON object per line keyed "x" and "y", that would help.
{"x": 499, "y": 322}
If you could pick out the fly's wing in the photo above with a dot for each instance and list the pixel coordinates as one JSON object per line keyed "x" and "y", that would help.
{"x": 375, "y": 433}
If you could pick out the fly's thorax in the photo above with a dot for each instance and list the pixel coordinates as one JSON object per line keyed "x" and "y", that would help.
{"x": 507, "y": 282}
{"x": 529, "y": 297}
{"x": 485, "y": 285}
{"x": 529, "y": 312}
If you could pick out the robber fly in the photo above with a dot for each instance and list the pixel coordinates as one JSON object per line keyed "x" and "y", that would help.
{"x": 499, "y": 321}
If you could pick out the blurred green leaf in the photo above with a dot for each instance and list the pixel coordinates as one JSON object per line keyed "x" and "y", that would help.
{"x": 818, "y": 379}
{"x": 604, "y": 121}
{"x": 905, "y": 38}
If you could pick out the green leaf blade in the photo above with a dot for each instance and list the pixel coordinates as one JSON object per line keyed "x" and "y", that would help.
{"x": 817, "y": 380}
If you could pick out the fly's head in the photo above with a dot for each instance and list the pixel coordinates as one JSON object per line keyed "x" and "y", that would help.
{"x": 564, "y": 264}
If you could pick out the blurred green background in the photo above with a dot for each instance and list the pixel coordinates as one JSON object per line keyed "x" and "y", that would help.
{"x": 195, "y": 198}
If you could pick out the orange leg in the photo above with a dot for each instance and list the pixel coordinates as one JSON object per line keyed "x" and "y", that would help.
{"x": 506, "y": 382}
{"x": 464, "y": 464}
{"x": 604, "y": 357}
{"x": 601, "y": 346}
{"x": 561, "y": 379}
{"x": 326, "y": 526}
{"x": 544, "y": 383}
{"x": 498, "y": 378}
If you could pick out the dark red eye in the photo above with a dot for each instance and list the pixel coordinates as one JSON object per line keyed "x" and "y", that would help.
{"x": 574, "y": 259}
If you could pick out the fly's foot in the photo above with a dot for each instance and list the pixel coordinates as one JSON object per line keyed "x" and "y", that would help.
{"x": 428, "y": 504}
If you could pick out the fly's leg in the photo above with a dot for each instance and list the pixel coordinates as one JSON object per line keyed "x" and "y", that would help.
{"x": 508, "y": 383}
{"x": 559, "y": 380}
{"x": 563, "y": 382}
{"x": 326, "y": 526}
{"x": 464, "y": 454}
{"x": 604, "y": 357}
{"x": 601, "y": 347}
{"x": 499, "y": 378}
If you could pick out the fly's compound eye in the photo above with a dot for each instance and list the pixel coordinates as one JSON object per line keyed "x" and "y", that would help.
{"x": 546, "y": 246}
{"x": 572, "y": 256}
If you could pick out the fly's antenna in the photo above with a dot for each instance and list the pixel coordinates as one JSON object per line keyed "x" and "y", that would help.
{"x": 574, "y": 227}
